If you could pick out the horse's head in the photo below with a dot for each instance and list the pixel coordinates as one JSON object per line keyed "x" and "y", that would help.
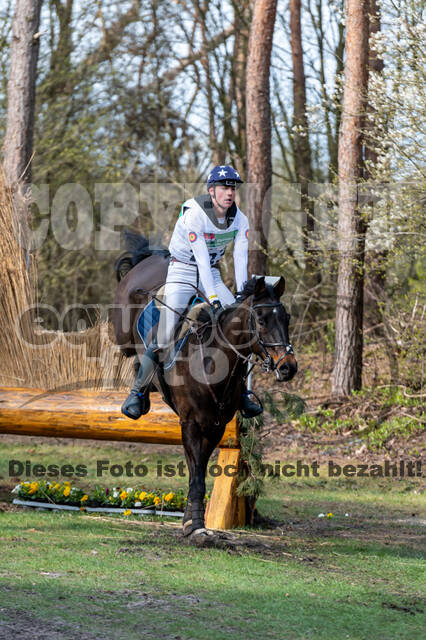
{"x": 268, "y": 325}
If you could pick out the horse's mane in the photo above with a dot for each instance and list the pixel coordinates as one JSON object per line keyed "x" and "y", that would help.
{"x": 248, "y": 290}
{"x": 137, "y": 249}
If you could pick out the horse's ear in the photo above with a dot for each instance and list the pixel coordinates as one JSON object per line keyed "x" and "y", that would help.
{"x": 259, "y": 286}
{"x": 279, "y": 287}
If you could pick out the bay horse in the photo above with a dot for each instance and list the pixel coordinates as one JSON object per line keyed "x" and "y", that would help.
{"x": 204, "y": 387}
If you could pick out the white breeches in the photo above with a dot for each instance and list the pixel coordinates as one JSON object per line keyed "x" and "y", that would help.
{"x": 180, "y": 287}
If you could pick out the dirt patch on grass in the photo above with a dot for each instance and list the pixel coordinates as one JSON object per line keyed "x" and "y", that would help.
{"x": 266, "y": 545}
{"x": 15, "y": 623}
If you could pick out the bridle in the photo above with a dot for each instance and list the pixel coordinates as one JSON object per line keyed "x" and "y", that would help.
{"x": 268, "y": 363}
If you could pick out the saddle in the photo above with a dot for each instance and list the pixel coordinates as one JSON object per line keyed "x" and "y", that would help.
{"x": 147, "y": 326}
{"x": 149, "y": 317}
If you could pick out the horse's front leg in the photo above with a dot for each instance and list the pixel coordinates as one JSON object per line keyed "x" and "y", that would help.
{"x": 198, "y": 450}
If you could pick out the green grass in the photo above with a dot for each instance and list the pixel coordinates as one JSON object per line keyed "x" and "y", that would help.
{"x": 357, "y": 576}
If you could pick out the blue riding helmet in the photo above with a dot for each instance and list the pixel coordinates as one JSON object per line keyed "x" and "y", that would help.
{"x": 225, "y": 175}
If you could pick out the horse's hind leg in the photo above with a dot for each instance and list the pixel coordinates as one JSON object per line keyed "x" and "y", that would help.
{"x": 198, "y": 450}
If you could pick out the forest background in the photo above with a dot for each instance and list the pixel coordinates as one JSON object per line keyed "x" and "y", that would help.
{"x": 154, "y": 93}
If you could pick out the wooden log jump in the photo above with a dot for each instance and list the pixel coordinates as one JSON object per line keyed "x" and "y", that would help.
{"x": 96, "y": 415}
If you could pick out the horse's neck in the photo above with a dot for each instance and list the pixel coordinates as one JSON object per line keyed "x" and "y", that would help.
{"x": 235, "y": 328}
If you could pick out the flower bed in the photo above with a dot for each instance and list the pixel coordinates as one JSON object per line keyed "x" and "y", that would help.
{"x": 123, "y": 500}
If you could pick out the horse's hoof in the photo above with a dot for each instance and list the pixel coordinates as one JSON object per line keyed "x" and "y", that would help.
{"x": 187, "y": 528}
{"x": 201, "y": 532}
{"x": 189, "y": 531}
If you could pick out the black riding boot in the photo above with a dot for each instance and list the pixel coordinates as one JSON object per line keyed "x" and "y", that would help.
{"x": 137, "y": 402}
{"x": 248, "y": 408}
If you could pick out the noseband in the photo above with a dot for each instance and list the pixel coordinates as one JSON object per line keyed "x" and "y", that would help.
{"x": 268, "y": 363}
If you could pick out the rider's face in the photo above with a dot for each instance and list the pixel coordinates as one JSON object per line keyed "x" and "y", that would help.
{"x": 222, "y": 196}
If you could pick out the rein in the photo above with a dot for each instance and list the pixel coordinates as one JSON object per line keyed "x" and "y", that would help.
{"x": 267, "y": 363}
{"x": 182, "y": 316}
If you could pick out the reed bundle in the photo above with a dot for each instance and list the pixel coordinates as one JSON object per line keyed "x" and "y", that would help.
{"x": 31, "y": 356}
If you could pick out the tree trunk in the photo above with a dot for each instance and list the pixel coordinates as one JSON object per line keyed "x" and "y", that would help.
{"x": 242, "y": 21}
{"x": 333, "y": 141}
{"x": 258, "y": 114}
{"x": 375, "y": 63}
{"x": 302, "y": 149}
{"x": 61, "y": 81}
{"x": 18, "y": 142}
{"x": 376, "y": 259}
{"x": 347, "y": 373}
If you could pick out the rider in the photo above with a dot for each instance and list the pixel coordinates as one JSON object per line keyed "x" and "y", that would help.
{"x": 206, "y": 225}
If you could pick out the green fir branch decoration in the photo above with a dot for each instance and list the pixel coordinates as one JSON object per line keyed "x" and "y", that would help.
{"x": 289, "y": 407}
{"x": 251, "y": 476}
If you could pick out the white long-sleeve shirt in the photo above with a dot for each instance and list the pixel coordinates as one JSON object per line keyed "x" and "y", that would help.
{"x": 198, "y": 238}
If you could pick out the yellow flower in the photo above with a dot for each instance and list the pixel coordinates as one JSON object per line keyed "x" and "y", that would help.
{"x": 67, "y": 483}
{"x": 123, "y": 495}
{"x": 33, "y": 487}
{"x": 84, "y": 498}
{"x": 57, "y": 486}
{"x": 67, "y": 491}
{"x": 157, "y": 500}
{"x": 128, "y": 512}
{"x": 330, "y": 515}
{"x": 169, "y": 497}
{"x": 142, "y": 495}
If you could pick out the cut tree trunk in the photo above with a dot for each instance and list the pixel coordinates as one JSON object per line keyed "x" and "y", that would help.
{"x": 347, "y": 373}
{"x": 258, "y": 115}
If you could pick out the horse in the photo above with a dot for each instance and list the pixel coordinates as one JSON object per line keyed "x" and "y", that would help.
{"x": 205, "y": 384}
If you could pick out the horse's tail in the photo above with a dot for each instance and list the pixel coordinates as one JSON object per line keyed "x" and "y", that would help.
{"x": 137, "y": 249}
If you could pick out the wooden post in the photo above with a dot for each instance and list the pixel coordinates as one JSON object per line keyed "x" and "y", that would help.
{"x": 225, "y": 509}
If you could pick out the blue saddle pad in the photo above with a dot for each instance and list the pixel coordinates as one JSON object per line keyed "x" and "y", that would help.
{"x": 148, "y": 322}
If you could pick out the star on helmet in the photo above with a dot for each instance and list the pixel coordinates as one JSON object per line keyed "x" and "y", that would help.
{"x": 222, "y": 173}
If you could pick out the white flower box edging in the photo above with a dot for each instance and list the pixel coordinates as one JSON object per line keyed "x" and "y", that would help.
{"x": 66, "y": 507}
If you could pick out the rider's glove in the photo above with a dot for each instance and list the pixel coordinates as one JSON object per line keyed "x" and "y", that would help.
{"x": 217, "y": 305}
{"x": 239, "y": 297}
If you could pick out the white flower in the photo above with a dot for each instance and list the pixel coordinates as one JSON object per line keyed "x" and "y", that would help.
{"x": 138, "y": 504}
{"x": 321, "y": 515}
